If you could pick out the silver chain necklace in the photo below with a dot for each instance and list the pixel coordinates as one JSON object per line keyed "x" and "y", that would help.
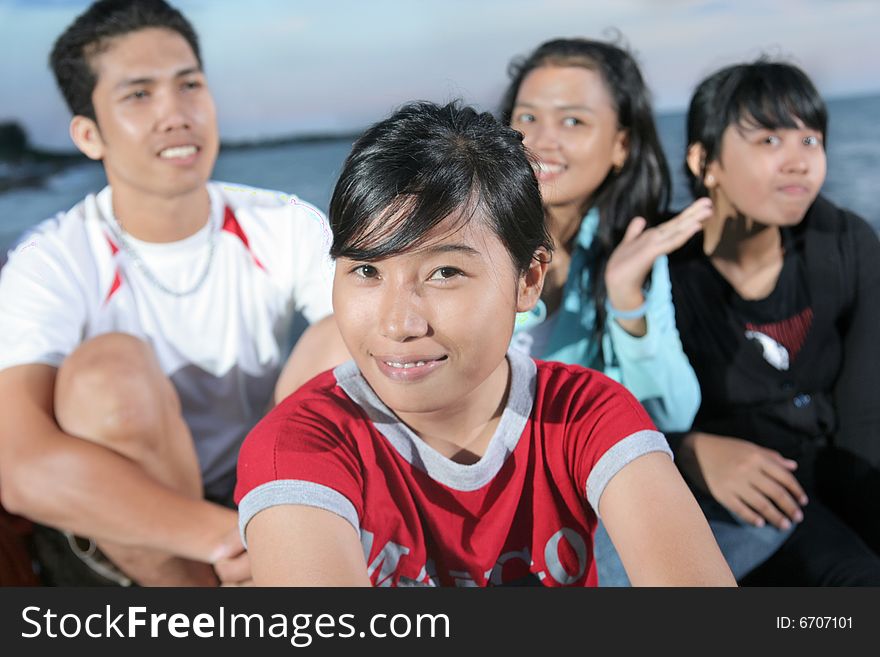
{"x": 135, "y": 257}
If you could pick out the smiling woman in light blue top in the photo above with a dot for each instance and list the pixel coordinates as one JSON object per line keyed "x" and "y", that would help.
{"x": 652, "y": 366}
{"x": 585, "y": 115}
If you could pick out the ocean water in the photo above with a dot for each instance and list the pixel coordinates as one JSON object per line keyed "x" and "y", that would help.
{"x": 310, "y": 169}
{"x": 853, "y": 149}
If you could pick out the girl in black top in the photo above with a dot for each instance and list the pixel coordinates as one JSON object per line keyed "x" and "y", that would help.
{"x": 777, "y": 306}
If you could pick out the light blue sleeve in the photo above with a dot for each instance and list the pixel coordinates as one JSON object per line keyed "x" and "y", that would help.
{"x": 654, "y": 367}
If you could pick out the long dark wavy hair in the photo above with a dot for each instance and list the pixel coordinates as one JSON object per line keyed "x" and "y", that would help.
{"x": 642, "y": 186}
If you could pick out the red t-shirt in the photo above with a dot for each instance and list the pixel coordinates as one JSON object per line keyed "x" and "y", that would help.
{"x": 523, "y": 514}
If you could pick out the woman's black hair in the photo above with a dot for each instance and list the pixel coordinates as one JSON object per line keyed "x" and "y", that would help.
{"x": 641, "y": 188}
{"x": 763, "y": 93}
{"x": 406, "y": 174}
{"x": 90, "y": 35}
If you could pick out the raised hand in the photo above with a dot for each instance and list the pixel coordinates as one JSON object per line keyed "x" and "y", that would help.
{"x": 632, "y": 260}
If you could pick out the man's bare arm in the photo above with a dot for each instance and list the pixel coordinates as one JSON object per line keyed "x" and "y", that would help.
{"x": 319, "y": 348}
{"x": 71, "y": 483}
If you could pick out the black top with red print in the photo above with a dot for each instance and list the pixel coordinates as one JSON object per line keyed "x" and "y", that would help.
{"x": 800, "y": 367}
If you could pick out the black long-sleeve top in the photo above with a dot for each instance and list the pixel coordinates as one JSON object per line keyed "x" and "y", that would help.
{"x": 801, "y": 367}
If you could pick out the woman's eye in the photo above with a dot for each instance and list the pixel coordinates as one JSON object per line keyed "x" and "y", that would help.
{"x": 140, "y": 94}
{"x": 570, "y": 121}
{"x": 366, "y": 271}
{"x": 192, "y": 84}
{"x": 525, "y": 117}
{"x": 772, "y": 140}
{"x": 812, "y": 140}
{"x": 445, "y": 273}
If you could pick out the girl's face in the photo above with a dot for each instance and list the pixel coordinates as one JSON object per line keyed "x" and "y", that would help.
{"x": 568, "y": 120}
{"x": 771, "y": 176}
{"x": 430, "y": 327}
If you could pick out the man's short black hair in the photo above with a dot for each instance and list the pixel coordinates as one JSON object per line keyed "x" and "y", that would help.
{"x": 90, "y": 35}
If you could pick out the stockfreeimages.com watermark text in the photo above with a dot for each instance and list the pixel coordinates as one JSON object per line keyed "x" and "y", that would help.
{"x": 299, "y": 629}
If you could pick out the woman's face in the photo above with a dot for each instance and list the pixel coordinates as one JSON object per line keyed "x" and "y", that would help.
{"x": 429, "y": 328}
{"x": 771, "y": 176}
{"x": 568, "y": 120}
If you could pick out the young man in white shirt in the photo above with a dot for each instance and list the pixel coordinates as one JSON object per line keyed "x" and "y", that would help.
{"x": 144, "y": 329}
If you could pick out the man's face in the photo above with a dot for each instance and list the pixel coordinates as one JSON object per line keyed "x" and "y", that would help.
{"x": 156, "y": 121}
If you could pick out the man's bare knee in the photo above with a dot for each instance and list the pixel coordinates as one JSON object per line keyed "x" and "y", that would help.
{"x": 111, "y": 391}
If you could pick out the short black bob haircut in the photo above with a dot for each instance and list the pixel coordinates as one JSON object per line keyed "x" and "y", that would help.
{"x": 409, "y": 172}
{"x": 90, "y": 35}
{"x": 763, "y": 93}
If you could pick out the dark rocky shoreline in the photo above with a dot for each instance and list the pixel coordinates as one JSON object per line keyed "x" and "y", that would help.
{"x": 23, "y": 165}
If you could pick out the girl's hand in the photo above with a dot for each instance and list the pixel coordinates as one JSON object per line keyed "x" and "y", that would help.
{"x": 750, "y": 481}
{"x": 632, "y": 260}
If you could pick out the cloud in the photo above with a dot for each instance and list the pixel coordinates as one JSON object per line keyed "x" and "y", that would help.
{"x": 282, "y": 66}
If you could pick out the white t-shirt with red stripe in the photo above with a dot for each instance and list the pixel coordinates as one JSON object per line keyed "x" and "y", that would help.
{"x": 70, "y": 279}
{"x": 525, "y": 513}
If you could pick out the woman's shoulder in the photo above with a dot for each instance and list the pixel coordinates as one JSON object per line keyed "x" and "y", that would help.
{"x": 825, "y": 217}
{"x": 553, "y": 375}
{"x": 689, "y": 254}
{"x": 321, "y": 403}
{"x": 571, "y": 390}
{"x": 829, "y": 230}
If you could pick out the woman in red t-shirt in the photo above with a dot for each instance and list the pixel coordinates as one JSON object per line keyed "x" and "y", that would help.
{"x": 437, "y": 456}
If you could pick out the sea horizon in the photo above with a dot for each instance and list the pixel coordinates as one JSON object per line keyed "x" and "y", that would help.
{"x": 308, "y": 164}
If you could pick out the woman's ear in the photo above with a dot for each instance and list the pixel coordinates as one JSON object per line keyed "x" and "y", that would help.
{"x": 696, "y": 156}
{"x": 532, "y": 281}
{"x": 620, "y": 151}
{"x": 86, "y": 136}
{"x": 696, "y": 162}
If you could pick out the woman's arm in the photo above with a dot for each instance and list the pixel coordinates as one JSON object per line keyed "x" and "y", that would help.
{"x": 654, "y": 367}
{"x": 657, "y": 527}
{"x": 296, "y": 545}
{"x": 651, "y": 361}
{"x": 857, "y": 391}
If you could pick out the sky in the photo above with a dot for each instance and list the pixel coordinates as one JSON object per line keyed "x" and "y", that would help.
{"x": 281, "y": 67}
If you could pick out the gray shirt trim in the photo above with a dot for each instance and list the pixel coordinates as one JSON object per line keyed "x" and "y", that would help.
{"x": 294, "y": 491}
{"x": 612, "y": 461}
{"x": 523, "y": 372}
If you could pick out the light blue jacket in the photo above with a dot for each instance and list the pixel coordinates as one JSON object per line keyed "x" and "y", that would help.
{"x": 653, "y": 367}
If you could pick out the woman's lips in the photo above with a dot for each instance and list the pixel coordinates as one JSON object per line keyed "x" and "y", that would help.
{"x": 794, "y": 190}
{"x": 548, "y": 170}
{"x": 407, "y": 369}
